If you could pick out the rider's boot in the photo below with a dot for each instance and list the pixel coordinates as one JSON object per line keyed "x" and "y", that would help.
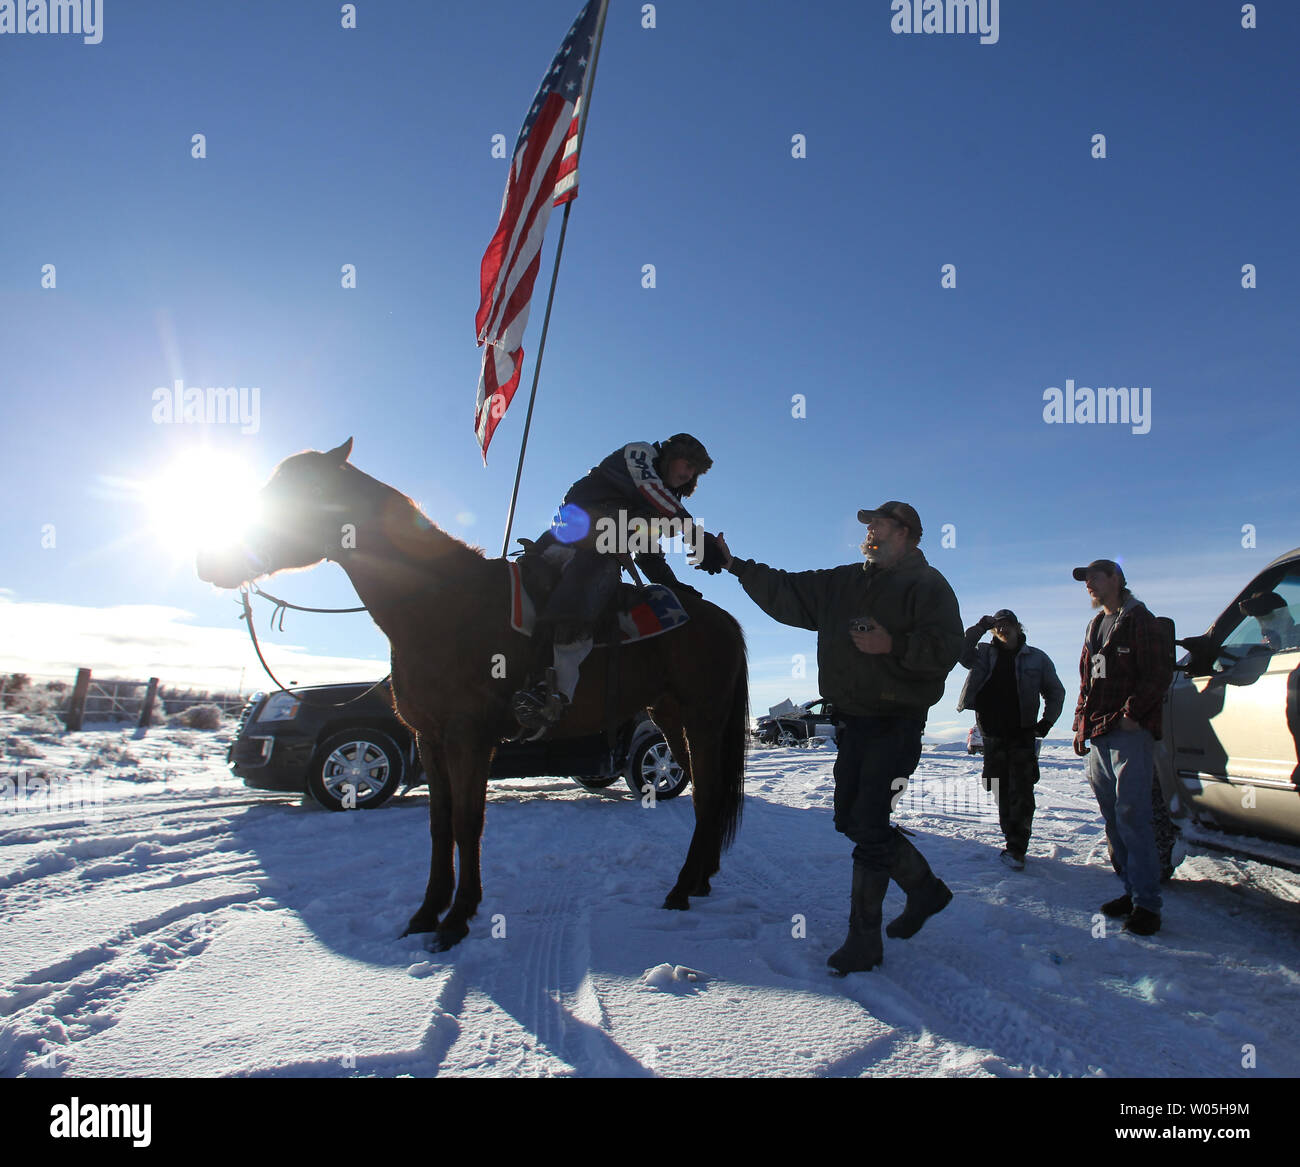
{"x": 541, "y": 706}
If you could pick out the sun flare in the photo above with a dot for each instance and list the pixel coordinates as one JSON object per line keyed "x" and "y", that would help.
{"x": 203, "y": 499}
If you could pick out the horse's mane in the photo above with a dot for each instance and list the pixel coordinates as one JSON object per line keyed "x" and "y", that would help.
{"x": 412, "y": 530}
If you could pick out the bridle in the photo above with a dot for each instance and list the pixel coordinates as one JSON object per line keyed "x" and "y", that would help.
{"x": 258, "y": 565}
{"x": 261, "y": 566}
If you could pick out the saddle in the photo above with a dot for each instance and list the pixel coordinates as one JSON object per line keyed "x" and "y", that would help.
{"x": 630, "y": 614}
{"x": 638, "y": 612}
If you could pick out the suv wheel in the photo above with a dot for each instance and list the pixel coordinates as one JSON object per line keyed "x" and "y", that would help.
{"x": 596, "y": 783}
{"x": 653, "y": 762}
{"x": 358, "y": 769}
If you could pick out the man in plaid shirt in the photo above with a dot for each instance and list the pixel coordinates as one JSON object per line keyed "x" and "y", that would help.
{"x": 1124, "y": 671}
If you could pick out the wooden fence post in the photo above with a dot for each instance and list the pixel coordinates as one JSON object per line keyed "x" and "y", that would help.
{"x": 146, "y": 707}
{"x": 77, "y": 706}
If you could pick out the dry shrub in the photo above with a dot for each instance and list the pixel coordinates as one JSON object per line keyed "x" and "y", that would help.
{"x": 197, "y": 717}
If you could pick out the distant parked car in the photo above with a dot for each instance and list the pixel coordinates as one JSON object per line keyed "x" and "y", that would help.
{"x": 1232, "y": 713}
{"x": 360, "y": 754}
{"x": 813, "y": 719}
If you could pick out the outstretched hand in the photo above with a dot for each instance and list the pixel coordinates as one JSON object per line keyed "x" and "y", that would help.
{"x": 716, "y": 556}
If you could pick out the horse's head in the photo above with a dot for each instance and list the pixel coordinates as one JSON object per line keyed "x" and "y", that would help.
{"x": 301, "y": 513}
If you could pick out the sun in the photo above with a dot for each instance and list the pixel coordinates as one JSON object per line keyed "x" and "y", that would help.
{"x": 203, "y": 499}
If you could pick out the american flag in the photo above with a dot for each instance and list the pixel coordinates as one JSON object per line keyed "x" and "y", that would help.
{"x": 543, "y": 174}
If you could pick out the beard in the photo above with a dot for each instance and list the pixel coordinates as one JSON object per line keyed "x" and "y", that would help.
{"x": 883, "y": 554}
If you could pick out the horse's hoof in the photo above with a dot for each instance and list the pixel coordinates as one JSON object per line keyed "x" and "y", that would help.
{"x": 420, "y": 924}
{"x": 448, "y": 938}
{"x": 678, "y": 901}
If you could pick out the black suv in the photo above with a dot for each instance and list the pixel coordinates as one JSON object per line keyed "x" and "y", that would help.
{"x": 358, "y": 755}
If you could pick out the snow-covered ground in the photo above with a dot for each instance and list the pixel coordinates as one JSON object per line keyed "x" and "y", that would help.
{"x": 187, "y": 926}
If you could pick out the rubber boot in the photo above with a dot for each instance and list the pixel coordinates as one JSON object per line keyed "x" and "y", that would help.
{"x": 926, "y": 892}
{"x": 863, "y": 949}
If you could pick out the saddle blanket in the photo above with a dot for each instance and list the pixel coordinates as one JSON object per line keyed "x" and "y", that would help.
{"x": 657, "y": 610}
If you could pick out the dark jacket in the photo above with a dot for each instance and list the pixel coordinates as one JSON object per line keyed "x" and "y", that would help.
{"x": 911, "y": 601}
{"x": 628, "y": 481}
{"x": 625, "y": 486}
{"x": 1035, "y": 675}
{"x": 1131, "y": 678}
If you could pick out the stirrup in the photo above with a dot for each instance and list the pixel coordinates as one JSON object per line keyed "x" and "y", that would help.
{"x": 540, "y": 707}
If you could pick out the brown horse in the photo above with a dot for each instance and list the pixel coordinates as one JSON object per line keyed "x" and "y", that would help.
{"x": 456, "y": 662}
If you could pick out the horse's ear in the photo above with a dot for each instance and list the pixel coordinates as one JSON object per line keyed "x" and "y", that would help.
{"x": 341, "y": 453}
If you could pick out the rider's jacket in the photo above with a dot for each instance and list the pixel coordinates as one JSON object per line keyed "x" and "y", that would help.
{"x": 624, "y": 486}
{"x": 614, "y": 507}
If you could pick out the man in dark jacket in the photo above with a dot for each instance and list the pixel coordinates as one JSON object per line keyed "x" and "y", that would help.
{"x": 888, "y": 633}
{"x": 619, "y": 509}
{"x": 1006, "y": 679}
{"x": 1124, "y": 671}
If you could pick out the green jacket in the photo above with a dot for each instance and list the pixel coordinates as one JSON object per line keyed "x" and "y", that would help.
{"x": 911, "y": 601}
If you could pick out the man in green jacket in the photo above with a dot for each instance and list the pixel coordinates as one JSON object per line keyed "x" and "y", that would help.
{"x": 888, "y": 633}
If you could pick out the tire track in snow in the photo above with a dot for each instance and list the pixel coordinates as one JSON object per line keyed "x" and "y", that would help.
{"x": 54, "y": 1007}
{"x": 546, "y": 985}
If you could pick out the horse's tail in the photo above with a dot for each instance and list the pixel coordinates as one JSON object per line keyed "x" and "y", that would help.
{"x": 735, "y": 735}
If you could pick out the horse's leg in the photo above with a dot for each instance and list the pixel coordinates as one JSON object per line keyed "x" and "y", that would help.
{"x": 704, "y": 854}
{"x": 442, "y": 874}
{"x": 468, "y": 764}
{"x": 667, "y": 715}
{"x": 716, "y": 742}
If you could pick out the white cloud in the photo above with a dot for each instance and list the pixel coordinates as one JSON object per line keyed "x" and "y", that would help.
{"x": 138, "y": 641}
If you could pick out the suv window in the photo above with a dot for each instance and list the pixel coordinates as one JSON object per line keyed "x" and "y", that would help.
{"x": 1270, "y": 615}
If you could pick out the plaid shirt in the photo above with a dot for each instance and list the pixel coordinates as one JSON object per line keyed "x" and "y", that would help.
{"x": 1126, "y": 677}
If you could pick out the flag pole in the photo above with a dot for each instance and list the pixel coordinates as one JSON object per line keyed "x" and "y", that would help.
{"x": 588, "y": 90}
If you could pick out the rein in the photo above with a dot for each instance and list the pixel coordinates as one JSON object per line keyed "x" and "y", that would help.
{"x": 280, "y": 606}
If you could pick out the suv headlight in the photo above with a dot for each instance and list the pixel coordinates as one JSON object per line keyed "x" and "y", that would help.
{"x": 281, "y": 707}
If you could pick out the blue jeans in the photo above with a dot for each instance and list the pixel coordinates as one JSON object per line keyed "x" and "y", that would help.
{"x": 1120, "y": 768}
{"x": 875, "y": 754}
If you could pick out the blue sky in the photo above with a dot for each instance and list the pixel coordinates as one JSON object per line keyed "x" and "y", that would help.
{"x": 774, "y": 276}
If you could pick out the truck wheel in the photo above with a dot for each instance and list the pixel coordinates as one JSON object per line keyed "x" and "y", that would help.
{"x": 653, "y": 762}
{"x": 359, "y": 769}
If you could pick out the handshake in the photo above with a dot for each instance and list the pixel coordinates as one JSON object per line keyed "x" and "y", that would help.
{"x": 715, "y": 556}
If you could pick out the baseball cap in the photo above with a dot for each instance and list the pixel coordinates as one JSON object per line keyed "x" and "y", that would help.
{"x": 1109, "y": 566}
{"x": 1005, "y": 614}
{"x": 900, "y": 512}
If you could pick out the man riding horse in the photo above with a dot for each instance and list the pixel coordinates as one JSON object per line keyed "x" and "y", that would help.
{"x": 617, "y": 511}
